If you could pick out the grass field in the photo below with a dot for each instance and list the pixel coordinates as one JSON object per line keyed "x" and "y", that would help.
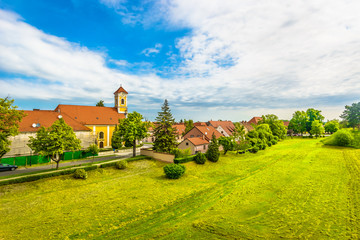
{"x": 296, "y": 189}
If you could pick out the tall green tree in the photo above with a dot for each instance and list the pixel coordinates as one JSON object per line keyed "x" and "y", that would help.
{"x": 228, "y": 143}
{"x": 317, "y": 128}
{"x": 298, "y": 122}
{"x": 164, "y": 133}
{"x": 100, "y": 103}
{"x": 312, "y": 115}
{"x": 189, "y": 124}
{"x": 277, "y": 126}
{"x": 332, "y": 126}
{"x": 132, "y": 129}
{"x": 116, "y": 139}
{"x": 9, "y": 123}
{"x": 352, "y": 115}
{"x": 239, "y": 132}
{"x": 213, "y": 153}
{"x": 54, "y": 141}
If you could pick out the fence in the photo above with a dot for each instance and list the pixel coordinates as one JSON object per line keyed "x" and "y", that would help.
{"x": 36, "y": 159}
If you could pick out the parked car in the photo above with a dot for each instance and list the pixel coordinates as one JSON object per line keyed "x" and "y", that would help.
{"x": 7, "y": 167}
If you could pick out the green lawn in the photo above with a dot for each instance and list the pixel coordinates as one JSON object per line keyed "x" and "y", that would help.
{"x": 296, "y": 189}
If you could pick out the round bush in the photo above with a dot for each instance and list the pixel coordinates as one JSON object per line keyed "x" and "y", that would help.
{"x": 343, "y": 138}
{"x": 121, "y": 164}
{"x": 273, "y": 142}
{"x": 174, "y": 171}
{"x": 254, "y": 149}
{"x": 200, "y": 158}
{"x": 80, "y": 174}
{"x": 269, "y": 144}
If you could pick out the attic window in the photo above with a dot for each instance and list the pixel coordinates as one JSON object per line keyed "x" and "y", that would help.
{"x": 187, "y": 144}
{"x": 97, "y": 118}
{"x": 75, "y": 117}
{"x": 110, "y": 118}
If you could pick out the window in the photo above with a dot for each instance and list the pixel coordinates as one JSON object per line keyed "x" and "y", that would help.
{"x": 187, "y": 144}
{"x": 101, "y": 135}
{"x": 204, "y": 147}
{"x": 191, "y": 136}
{"x": 198, "y": 136}
{"x": 122, "y": 101}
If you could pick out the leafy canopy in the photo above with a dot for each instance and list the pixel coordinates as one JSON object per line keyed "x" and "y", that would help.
{"x": 298, "y": 122}
{"x": 332, "y": 126}
{"x": 277, "y": 126}
{"x": 9, "y": 123}
{"x": 317, "y": 128}
{"x": 53, "y": 141}
{"x": 352, "y": 115}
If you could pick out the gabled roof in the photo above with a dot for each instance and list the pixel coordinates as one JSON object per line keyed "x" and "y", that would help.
{"x": 45, "y": 118}
{"x": 208, "y": 131}
{"x": 198, "y": 141}
{"x": 228, "y": 126}
{"x": 200, "y": 124}
{"x": 286, "y": 123}
{"x": 121, "y": 89}
{"x": 255, "y": 120}
{"x": 247, "y": 126}
{"x": 89, "y": 115}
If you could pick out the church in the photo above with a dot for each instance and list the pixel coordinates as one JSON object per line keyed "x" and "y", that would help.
{"x": 91, "y": 124}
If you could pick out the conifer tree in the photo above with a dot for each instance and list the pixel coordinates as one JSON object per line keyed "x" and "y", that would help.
{"x": 165, "y": 134}
{"x": 213, "y": 153}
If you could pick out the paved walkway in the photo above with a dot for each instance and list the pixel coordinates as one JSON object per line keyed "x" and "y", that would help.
{"x": 67, "y": 163}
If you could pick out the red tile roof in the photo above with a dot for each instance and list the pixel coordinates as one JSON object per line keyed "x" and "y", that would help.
{"x": 286, "y": 123}
{"x": 208, "y": 131}
{"x": 198, "y": 141}
{"x": 255, "y": 120}
{"x": 199, "y": 123}
{"x": 89, "y": 115}
{"x": 228, "y": 126}
{"x": 45, "y": 118}
{"x": 180, "y": 128}
{"x": 247, "y": 126}
{"x": 121, "y": 89}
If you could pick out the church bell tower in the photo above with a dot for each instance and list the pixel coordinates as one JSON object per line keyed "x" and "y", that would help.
{"x": 121, "y": 100}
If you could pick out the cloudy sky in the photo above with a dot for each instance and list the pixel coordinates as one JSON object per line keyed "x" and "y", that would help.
{"x": 215, "y": 59}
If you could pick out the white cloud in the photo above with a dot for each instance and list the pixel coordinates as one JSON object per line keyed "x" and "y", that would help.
{"x": 152, "y": 51}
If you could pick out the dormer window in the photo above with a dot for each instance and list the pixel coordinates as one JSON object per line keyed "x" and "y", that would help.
{"x": 122, "y": 101}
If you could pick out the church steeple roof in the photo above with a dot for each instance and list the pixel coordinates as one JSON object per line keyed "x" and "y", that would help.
{"x": 121, "y": 89}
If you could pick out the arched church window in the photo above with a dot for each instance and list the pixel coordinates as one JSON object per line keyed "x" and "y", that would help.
{"x": 122, "y": 101}
{"x": 101, "y": 135}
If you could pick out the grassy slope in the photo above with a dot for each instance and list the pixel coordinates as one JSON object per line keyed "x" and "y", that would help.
{"x": 296, "y": 189}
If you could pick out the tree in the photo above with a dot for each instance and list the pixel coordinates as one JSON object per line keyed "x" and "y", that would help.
{"x": 164, "y": 133}
{"x": 332, "y": 126}
{"x": 352, "y": 115}
{"x": 228, "y": 143}
{"x": 93, "y": 149}
{"x": 189, "y": 124}
{"x": 132, "y": 129}
{"x": 239, "y": 132}
{"x": 9, "y": 123}
{"x": 277, "y": 126}
{"x": 317, "y": 128}
{"x": 100, "y": 103}
{"x": 116, "y": 139}
{"x": 213, "y": 153}
{"x": 312, "y": 115}
{"x": 54, "y": 140}
{"x": 298, "y": 122}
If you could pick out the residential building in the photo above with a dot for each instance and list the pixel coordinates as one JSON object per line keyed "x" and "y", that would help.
{"x": 195, "y": 145}
{"x": 225, "y": 127}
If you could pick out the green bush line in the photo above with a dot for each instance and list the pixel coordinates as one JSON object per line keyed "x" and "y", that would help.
{"x": 184, "y": 159}
{"x": 66, "y": 171}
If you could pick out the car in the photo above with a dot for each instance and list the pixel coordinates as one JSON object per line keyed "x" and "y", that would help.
{"x": 7, "y": 167}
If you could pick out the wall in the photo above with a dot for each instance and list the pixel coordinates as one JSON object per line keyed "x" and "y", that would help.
{"x": 164, "y": 157}
{"x": 187, "y": 144}
{"x": 102, "y": 128}
{"x": 19, "y": 143}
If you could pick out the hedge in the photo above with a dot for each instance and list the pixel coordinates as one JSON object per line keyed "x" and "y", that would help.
{"x": 184, "y": 159}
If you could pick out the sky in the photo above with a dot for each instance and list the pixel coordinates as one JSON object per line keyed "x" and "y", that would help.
{"x": 228, "y": 60}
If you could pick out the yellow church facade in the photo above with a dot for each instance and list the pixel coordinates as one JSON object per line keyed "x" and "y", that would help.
{"x": 101, "y": 121}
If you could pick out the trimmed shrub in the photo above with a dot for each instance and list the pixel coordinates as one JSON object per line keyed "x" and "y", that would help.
{"x": 121, "y": 164}
{"x": 181, "y": 153}
{"x": 200, "y": 158}
{"x": 80, "y": 174}
{"x": 174, "y": 171}
{"x": 343, "y": 138}
{"x": 254, "y": 149}
{"x": 184, "y": 159}
{"x": 213, "y": 153}
{"x": 269, "y": 144}
{"x": 273, "y": 142}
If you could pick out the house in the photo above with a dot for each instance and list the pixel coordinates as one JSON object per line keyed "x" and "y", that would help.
{"x": 180, "y": 130}
{"x": 196, "y": 145}
{"x": 255, "y": 120}
{"x": 204, "y": 132}
{"x": 225, "y": 127}
{"x": 35, "y": 119}
{"x": 286, "y": 123}
{"x": 200, "y": 124}
{"x": 101, "y": 120}
{"x": 247, "y": 126}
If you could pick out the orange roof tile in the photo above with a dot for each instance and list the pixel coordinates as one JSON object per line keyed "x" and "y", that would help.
{"x": 198, "y": 141}
{"x": 89, "y": 115}
{"x": 286, "y": 123}
{"x": 199, "y": 124}
{"x": 247, "y": 126}
{"x": 180, "y": 129}
{"x": 45, "y": 118}
{"x": 255, "y": 120}
{"x": 228, "y": 126}
{"x": 121, "y": 89}
{"x": 208, "y": 131}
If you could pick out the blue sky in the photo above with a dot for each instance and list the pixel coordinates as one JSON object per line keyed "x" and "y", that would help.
{"x": 211, "y": 59}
